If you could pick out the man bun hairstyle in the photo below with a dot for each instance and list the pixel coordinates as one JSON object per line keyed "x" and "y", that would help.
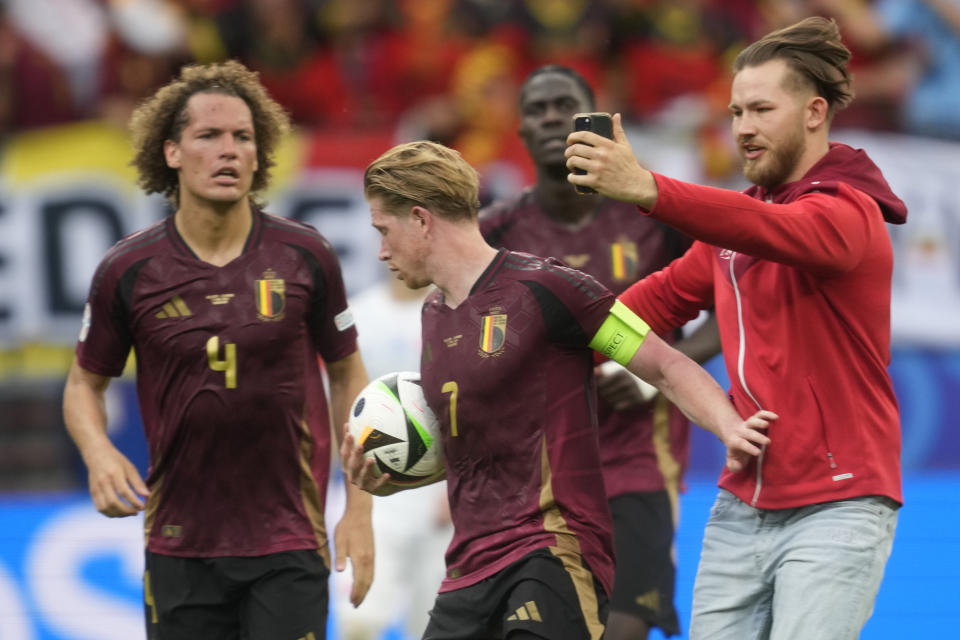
{"x": 427, "y": 174}
{"x": 164, "y": 116}
{"x": 813, "y": 50}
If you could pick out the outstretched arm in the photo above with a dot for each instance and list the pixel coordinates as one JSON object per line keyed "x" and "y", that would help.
{"x": 825, "y": 231}
{"x": 626, "y": 338}
{"x": 624, "y": 390}
{"x": 687, "y": 385}
{"x": 115, "y": 484}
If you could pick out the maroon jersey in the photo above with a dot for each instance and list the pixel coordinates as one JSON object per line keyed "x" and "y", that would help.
{"x": 510, "y": 376}
{"x": 643, "y": 448}
{"x": 228, "y": 381}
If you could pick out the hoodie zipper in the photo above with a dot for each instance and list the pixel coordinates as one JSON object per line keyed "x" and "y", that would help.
{"x": 741, "y": 352}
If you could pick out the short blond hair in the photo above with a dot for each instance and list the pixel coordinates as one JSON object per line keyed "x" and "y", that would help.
{"x": 427, "y": 174}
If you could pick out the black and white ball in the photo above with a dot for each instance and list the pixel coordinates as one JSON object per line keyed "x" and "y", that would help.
{"x": 391, "y": 421}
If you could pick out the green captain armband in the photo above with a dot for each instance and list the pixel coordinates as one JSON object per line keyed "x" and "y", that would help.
{"x": 620, "y": 335}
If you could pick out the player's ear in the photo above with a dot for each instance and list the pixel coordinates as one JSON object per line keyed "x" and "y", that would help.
{"x": 422, "y": 216}
{"x": 171, "y": 152}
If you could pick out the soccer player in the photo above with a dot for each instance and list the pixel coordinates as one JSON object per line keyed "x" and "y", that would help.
{"x": 799, "y": 268}
{"x": 226, "y": 308}
{"x": 643, "y": 441}
{"x": 507, "y": 367}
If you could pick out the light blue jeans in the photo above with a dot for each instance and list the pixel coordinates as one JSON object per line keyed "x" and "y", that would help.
{"x": 808, "y": 573}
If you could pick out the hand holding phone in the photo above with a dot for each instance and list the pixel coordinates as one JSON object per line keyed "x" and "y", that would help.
{"x": 598, "y": 122}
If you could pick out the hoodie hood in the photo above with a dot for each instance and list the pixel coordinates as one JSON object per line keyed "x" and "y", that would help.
{"x": 841, "y": 164}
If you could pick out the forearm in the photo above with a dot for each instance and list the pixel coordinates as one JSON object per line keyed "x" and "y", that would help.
{"x": 686, "y": 384}
{"x": 84, "y": 412}
{"x": 645, "y": 195}
{"x": 697, "y": 395}
{"x": 348, "y": 377}
{"x": 693, "y": 391}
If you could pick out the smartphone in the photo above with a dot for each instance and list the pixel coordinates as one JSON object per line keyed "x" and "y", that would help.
{"x": 597, "y": 122}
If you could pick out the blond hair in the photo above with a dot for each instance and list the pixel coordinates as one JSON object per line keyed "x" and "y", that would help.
{"x": 427, "y": 174}
{"x": 164, "y": 116}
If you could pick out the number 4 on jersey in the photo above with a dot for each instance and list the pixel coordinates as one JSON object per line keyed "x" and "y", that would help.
{"x": 229, "y": 363}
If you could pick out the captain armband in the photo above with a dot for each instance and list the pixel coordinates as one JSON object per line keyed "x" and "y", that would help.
{"x": 620, "y": 335}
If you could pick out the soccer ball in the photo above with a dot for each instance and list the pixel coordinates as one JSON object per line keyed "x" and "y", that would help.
{"x": 391, "y": 421}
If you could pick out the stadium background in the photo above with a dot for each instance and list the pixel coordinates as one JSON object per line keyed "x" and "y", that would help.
{"x": 358, "y": 76}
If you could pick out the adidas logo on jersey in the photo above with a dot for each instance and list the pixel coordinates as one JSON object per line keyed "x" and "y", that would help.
{"x": 650, "y": 600}
{"x": 528, "y": 611}
{"x": 174, "y": 308}
{"x": 577, "y": 260}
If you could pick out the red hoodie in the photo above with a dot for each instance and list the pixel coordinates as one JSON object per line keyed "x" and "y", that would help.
{"x": 802, "y": 294}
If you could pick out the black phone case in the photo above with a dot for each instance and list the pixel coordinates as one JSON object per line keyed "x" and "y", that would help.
{"x": 597, "y": 122}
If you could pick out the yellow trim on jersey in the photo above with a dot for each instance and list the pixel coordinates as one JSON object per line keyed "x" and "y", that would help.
{"x": 621, "y": 334}
{"x": 567, "y": 549}
{"x": 667, "y": 463}
{"x": 152, "y": 504}
{"x": 310, "y": 494}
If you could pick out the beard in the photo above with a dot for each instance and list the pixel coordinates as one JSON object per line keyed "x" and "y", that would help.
{"x": 775, "y": 166}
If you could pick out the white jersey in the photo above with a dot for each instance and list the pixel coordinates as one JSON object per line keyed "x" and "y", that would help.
{"x": 411, "y": 528}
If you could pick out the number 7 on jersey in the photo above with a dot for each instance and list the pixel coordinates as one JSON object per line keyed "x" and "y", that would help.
{"x": 451, "y": 387}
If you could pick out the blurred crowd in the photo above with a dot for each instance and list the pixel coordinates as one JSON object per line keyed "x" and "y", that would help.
{"x": 449, "y": 69}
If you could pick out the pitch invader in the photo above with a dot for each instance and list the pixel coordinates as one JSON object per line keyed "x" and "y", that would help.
{"x": 507, "y": 367}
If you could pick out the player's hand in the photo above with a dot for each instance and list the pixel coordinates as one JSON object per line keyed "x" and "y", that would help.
{"x": 620, "y": 388}
{"x": 353, "y": 539}
{"x": 115, "y": 484}
{"x": 611, "y": 166}
{"x": 360, "y": 470}
{"x": 745, "y": 440}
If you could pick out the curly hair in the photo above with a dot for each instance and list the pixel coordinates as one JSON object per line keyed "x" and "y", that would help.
{"x": 427, "y": 174}
{"x": 812, "y": 48}
{"x": 164, "y": 116}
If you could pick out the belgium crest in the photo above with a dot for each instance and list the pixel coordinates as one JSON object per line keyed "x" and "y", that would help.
{"x": 493, "y": 334}
{"x": 623, "y": 259}
{"x": 270, "y": 296}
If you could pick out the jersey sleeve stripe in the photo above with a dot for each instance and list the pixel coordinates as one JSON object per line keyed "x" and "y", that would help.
{"x": 579, "y": 279}
{"x": 561, "y": 325}
{"x": 293, "y": 226}
{"x": 123, "y": 248}
{"x": 253, "y": 238}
